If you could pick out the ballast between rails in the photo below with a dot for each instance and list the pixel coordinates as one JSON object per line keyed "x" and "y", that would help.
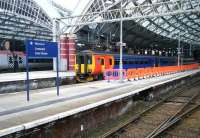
{"x": 141, "y": 73}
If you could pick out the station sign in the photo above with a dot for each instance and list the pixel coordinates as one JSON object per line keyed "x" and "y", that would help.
{"x": 119, "y": 44}
{"x": 41, "y": 49}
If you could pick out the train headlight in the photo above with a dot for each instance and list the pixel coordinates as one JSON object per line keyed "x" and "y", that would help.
{"x": 89, "y": 70}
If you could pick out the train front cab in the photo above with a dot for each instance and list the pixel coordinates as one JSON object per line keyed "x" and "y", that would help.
{"x": 91, "y": 66}
{"x": 83, "y": 66}
{"x": 102, "y": 62}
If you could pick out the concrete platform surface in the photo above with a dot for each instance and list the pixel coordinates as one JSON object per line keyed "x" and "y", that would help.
{"x": 17, "y": 114}
{"x": 8, "y": 77}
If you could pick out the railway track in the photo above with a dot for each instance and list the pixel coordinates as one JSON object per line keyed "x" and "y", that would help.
{"x": 189, "y": 127}
{"x": 160, "y": 117}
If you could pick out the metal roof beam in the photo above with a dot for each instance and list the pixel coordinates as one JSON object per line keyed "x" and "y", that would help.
{"x": 133, "y": 13}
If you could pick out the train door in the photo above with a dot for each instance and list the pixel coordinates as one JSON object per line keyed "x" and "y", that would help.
{"x": 10, "y": 61}
{"x": 13, "y": 62}
{"x": 85, "y": 64}
{"x": 109, "y": 62}
{"x": 16, "y": 63}
{"x": 102, "y": 59}
{"x": 89, "y": 63}
{"x": 97, "y": 64}
{"x": 82, "y": 64}
{"x": 20, "y": 59}
{"x": 78, "y": 64}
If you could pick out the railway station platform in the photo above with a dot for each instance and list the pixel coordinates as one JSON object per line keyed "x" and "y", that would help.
{"x": 14, "y": 82}
{"x": 44, "y": 107}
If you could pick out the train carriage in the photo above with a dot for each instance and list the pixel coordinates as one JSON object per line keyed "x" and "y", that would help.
{"x": 91, "y": 65}
{"x": 133, "y": 61}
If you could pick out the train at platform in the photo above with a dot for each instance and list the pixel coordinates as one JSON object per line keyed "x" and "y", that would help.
{"x": 90, "y": 65}
{"x": 16, "y": 61}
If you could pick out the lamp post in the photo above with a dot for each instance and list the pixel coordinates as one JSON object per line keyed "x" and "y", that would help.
{"x": 180, "y": 52}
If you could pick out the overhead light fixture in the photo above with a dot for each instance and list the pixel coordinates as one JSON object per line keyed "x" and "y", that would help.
{"x": 108, "y": 3}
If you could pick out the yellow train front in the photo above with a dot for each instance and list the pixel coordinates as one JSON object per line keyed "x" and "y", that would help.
{"x": 90, "y": 65}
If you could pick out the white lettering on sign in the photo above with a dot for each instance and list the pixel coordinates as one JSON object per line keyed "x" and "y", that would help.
{"x": 40, "y": 51}
{"x": 39, "y": 44}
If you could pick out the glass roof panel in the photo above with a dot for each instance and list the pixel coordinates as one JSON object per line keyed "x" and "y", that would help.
{"x": 140, "y": 1}
{"x": 145, "y": 23}
{"x": 24, "y": 19}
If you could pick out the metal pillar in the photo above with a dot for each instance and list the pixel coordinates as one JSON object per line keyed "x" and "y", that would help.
{"x": 182, "y": 55}
{"x": 55, "y": 39}
{"x": 88, "y": 37}
{"x": 190, "y": 50}
{"x": 179, "y": 49}
{"x": 107, "y": 43}
{"x": 121, "y": 47}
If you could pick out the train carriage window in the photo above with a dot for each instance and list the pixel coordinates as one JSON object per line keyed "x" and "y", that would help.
{"x": 131, "y": 62}
{"x": 165, "y": 62}
{"x": 82, "y": 59}
{"x": 102, "y": 61}
{"x": 136, "y": 62}
{"x": 20, "y": 60}
{"x": 89, "y": 59}
{"x": 116, "y": 62}
{"x": 10, "y": 60}
{"x": 110, "y": 61}
{"x": 77, "y": 59}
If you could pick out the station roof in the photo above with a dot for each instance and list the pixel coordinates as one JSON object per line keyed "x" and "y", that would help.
{"x": 22, "y": 19}
{"x": 32, "y": 19}
{"x": 153, "y": 31}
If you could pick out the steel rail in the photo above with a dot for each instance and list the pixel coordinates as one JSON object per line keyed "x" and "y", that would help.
{"x": 173, "y": 119}
{"x": 117, "y": 128}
